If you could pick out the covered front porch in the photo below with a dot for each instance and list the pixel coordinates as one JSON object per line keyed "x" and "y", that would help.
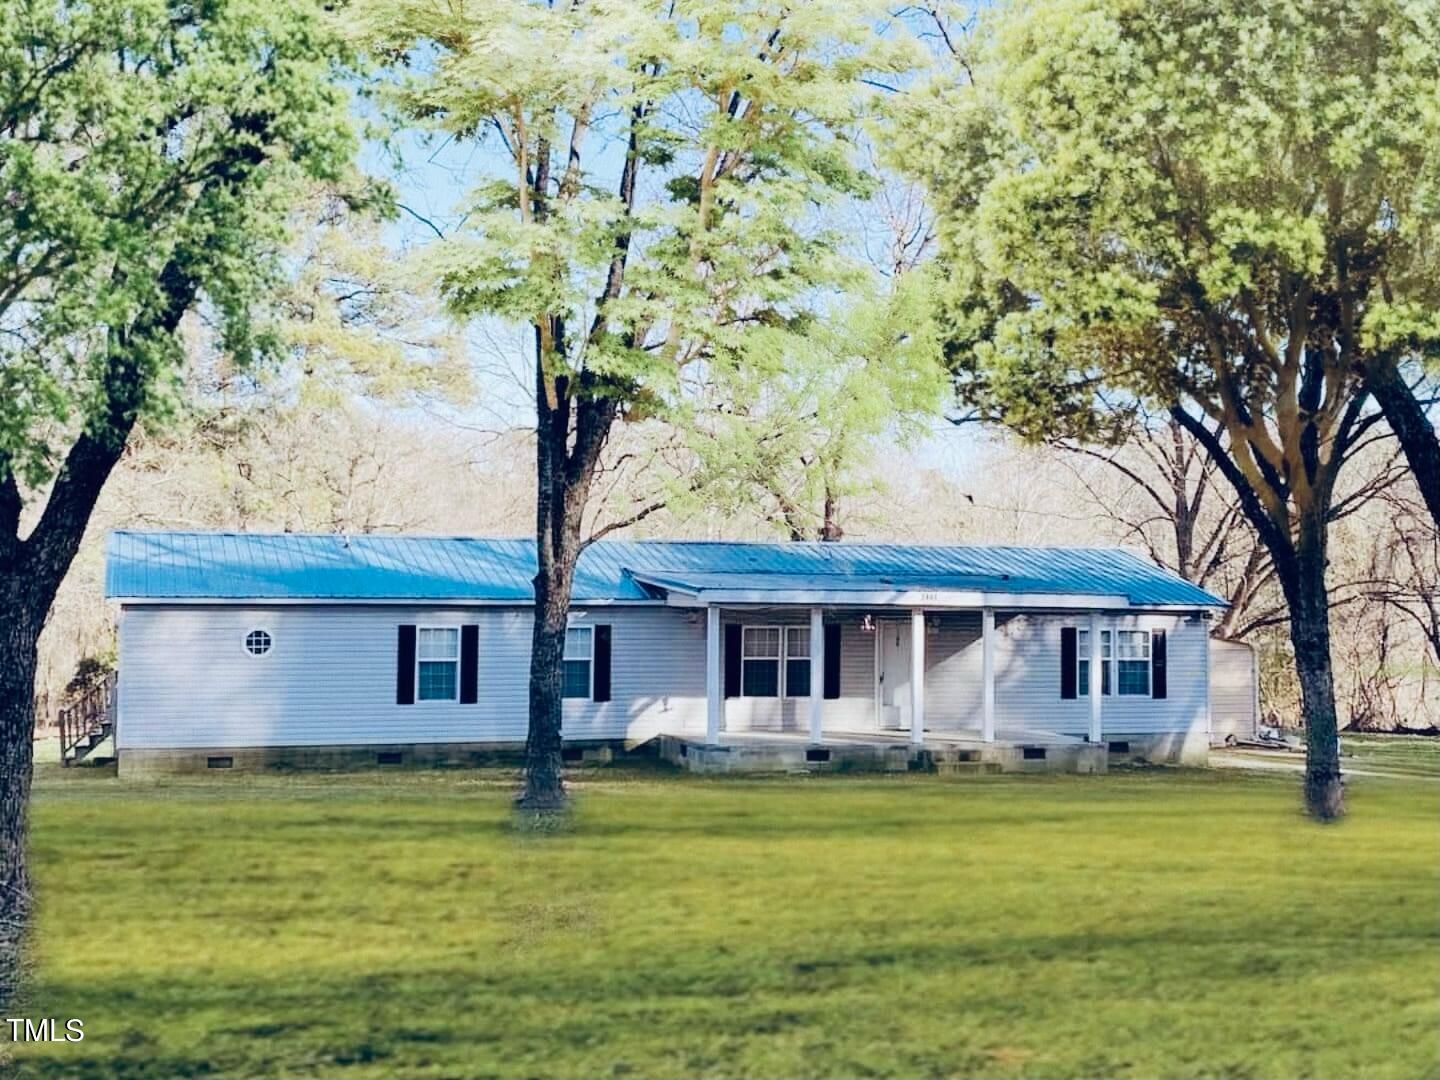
{"x": 858, "y": 673}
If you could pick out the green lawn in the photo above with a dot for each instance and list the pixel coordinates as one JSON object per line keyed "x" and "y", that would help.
{"x": 1418, "y": 755}
{"x": 1149, "y": 924}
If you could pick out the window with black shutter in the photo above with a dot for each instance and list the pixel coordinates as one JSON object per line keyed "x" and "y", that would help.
{"x": 469, "y": 665}
{"x": 1069, "y": 652}
{"x": 405, "y": 667}
{"x": 602, "y": 662}
{"x": 1159, "y": 665}
{"x": 732, "y": 660}
{"x": 832, "y": 660}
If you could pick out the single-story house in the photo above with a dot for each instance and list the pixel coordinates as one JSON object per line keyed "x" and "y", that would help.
{"x": 243, "y": 649}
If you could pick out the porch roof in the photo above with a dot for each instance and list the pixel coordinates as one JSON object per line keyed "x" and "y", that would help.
{"x": 868, "y": 590}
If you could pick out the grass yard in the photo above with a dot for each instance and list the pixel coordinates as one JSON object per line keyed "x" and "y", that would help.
{"x": 1417, "y": 755}
{"x": 1148, "y": 924}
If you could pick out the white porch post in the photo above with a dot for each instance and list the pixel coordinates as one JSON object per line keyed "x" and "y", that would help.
{"x": 917, "y": 677}
{"x": 817, "y": 673}
{"x": 987, "y": 662}
{"x": 1097, "y": 678}
{"x": 714, "y": 702}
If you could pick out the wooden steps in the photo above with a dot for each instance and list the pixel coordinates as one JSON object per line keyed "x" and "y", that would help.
{"x": 86, "y": 746}
{"x": 87, "y": 722}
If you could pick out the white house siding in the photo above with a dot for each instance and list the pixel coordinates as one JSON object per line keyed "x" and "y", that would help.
{"x": 854, "y": 710}
{"x": 1027, "y": 677}
{"x": 954, "y": 687}
{"x": 329, "y": 679}
{"x": 1233, "y": 683}
{"x": 186, "y": 681}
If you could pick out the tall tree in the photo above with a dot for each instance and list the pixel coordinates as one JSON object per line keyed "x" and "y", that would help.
{"x": 648, "y": 211}
{"x": 1221, "y": 209}
{"x": 147, "y": 149}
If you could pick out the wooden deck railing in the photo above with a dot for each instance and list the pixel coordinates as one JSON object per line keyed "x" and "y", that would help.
{"x": 90, "y": 715}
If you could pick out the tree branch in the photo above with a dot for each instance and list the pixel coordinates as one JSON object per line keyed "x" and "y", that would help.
{"x": 625, "y": 522}
{"x": 1278, "y": 541}
{"x": 52, "y": 545}
{"x": 11, "y": 507}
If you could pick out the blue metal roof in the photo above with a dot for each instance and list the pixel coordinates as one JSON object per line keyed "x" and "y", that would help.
{"x": 290, "y": 566}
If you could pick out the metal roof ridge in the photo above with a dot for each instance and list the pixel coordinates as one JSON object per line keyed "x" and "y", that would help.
{"x": 819, "y": 545}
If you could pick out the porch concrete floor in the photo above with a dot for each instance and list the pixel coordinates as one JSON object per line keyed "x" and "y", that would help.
{"x": 1013, "y": 750}
{"x": 933, "y": 739}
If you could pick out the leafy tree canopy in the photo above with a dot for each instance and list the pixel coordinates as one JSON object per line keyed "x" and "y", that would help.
{"x": 654, "y": 173}
{"x": 149, "y": 152}
{"x": 1176, "y": 199}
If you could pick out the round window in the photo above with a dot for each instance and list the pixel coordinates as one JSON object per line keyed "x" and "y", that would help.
{"x": 257, "y": 642}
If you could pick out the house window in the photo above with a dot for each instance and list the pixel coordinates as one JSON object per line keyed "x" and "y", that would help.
{"x": 258, "y": 642}
{"x": 437, "y": 660}
{"x": 760, "y": 662}
{"x": 1082, "y": 662}
{"x": 797, "y": 661}
{"x": 1133, "y": 663}
{"x": 579, "y": 657}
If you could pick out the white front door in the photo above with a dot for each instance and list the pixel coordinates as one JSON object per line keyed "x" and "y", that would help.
{"x": 893, "y": 674}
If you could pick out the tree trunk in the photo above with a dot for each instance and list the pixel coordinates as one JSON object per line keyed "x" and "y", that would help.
{"x": 565, "y": 471}
{"x": 1299, "y": 562}
{"x": 830, "y": 530}
{"x": 1182, "y": 512}
{"x": 31, "y": 572}
{"x": 1406, "y": 417}
{"x": 1310, "y": 636}
{"x": 557, "y": 549}
{"x": 544, "y": 780}
{"x": 19, "y": 633}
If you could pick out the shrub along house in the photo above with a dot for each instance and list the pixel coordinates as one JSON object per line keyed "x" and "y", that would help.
{"x": 247, "y": 649}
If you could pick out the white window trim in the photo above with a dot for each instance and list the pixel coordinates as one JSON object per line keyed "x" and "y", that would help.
{"x": 785, "y": 659}
{"x": 1148, "y": 659}
{"x": 1108, "y": 642}
{"x": 418, "y": 660}
{"x": 590, "y": 687}
{"x": 245, "y": 643}
{"x": 779, "y": 659}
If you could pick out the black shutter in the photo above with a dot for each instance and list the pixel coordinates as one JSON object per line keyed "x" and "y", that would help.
{"x": 602, "y": 662}
{"x": 832, "y": 660}
{"x": 1158, "y": 664}
{"x": 1069, "y": 652}
{"x": 469, "y": 665}
{"x": 405, "y": 667}
{"x": 732, "y": 660}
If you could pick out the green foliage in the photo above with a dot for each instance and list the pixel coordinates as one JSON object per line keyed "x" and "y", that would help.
{"x": 352, "y": 322}
{"x": 394, "y": 927}
{"x": 148, "y": 148}
{"x": 1156, "y": 199}
{"x": 90, "y": 672}
{"x": 740, "y": 117}
{"x": 793, "y": 426}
